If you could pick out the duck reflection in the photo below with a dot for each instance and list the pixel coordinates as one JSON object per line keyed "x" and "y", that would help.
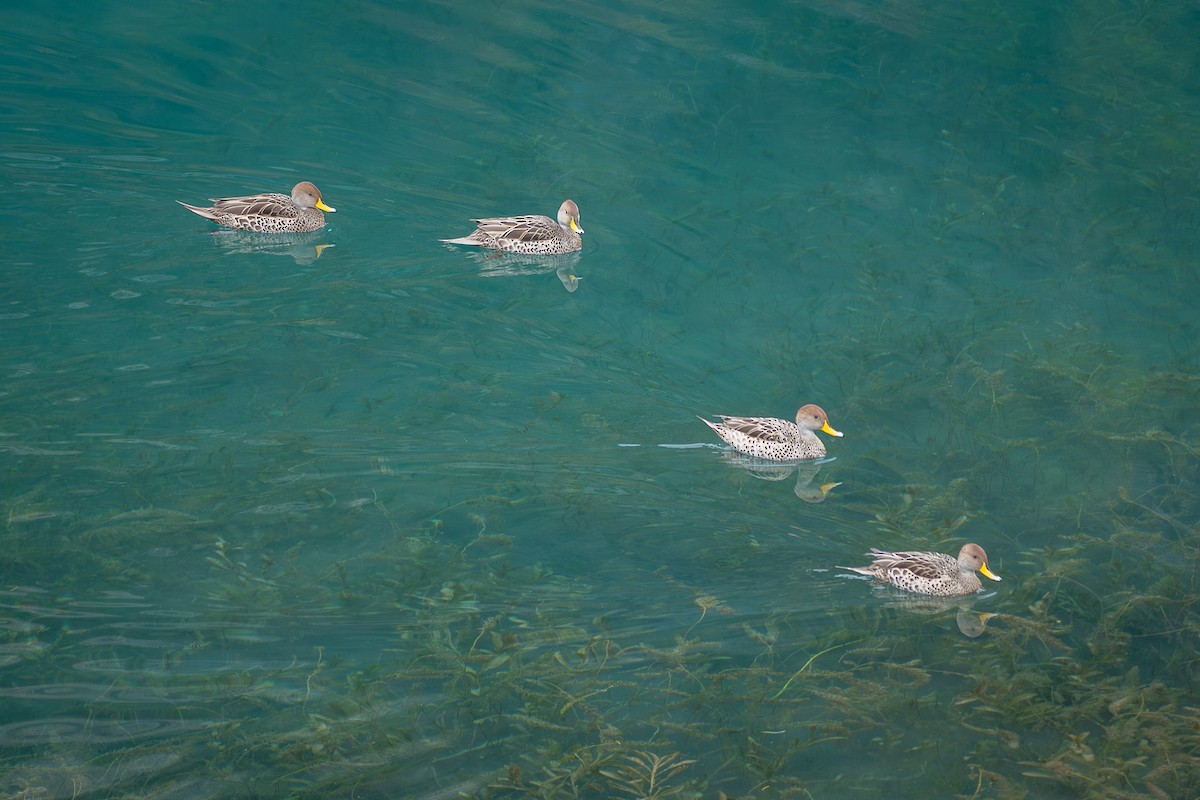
{"x": 304, "y": 248}
{"x": 971, "y": 623}
{"x": 496, "y": 264}
{"x": 767, "y": 470}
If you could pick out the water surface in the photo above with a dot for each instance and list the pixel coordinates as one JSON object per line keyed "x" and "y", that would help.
{"x": 391, "y": 519}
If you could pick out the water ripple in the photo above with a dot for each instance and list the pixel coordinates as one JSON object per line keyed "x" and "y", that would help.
{"x": 82, "y": 691}
{"x": 94, "y": 730}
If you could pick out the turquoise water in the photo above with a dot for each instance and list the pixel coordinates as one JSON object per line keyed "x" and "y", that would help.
{"x": 394, "y": 521}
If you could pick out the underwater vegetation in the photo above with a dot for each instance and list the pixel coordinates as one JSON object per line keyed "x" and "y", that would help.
{"x": 484, "y": 677}
{"x": 331, "y": 643}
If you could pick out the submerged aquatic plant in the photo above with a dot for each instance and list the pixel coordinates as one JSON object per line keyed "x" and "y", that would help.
{"x": 648, "y": 776}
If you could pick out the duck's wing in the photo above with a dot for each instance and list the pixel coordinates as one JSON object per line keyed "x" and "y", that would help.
{"x": 925, "y": 565}
{"x": 766, "y": 429}
{"x": 526, "y": 228}
{"x": 260, "y": 205}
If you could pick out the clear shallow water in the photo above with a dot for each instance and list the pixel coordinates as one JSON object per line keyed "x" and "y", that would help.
{"x": 364, "y": 524}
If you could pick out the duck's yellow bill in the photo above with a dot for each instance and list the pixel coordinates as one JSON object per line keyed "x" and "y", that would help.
{"x": 984, "y": 569}
{"x": 321, "y": 205}
{"x": 575, "y": 226}
{"x": 828, "y": 429}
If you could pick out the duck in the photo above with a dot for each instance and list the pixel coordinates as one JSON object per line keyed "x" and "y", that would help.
{"x": 776, "y": 439}
{"x": 924, "y": 572}
{"x": 271, "y": 212}
{"x": 531, "y": 234}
